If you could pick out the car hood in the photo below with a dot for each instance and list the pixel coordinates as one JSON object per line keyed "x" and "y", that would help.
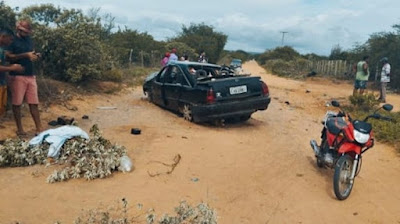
{"x": 151, "y": 76}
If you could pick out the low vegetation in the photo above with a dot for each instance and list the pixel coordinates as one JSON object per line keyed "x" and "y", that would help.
{"x": 385, "y": 131}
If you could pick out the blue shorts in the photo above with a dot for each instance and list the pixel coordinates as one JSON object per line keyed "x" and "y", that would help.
{"x": 360, "y": 84}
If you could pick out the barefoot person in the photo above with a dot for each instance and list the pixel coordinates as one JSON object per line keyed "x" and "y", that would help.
{"x": 23, "y": 84}
{"x": 6, "y": 37}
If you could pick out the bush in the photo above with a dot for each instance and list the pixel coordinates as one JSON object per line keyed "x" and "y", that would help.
{"x": 365, "y": 102}
{"x": 294, "y": 68}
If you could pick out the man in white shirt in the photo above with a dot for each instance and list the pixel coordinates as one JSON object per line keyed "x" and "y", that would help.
{"x": 385, "y": 79}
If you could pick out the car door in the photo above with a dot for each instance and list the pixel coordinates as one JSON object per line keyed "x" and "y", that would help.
{"x": 157, "y": 87}
{"x": 173, "y": 87}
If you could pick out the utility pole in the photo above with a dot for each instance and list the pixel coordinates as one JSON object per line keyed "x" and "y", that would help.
{"x": 283, "y": 36}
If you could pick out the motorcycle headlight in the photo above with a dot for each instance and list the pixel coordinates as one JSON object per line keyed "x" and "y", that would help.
{"x": 361, "y": 137}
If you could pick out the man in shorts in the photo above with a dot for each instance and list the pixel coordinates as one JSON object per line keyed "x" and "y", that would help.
{"x": 23, "y": 84}
{"x": 362, "y": 75}
{"x": 6, "y": 38}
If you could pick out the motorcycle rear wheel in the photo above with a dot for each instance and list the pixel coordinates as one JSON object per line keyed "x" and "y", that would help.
{"x": 341, "y": 179}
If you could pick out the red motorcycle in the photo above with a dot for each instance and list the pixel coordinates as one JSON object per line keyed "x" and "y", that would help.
{"x": 343, "y": 141}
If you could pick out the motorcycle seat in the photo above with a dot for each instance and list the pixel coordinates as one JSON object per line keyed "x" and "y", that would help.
{"x": 335, "y": 124}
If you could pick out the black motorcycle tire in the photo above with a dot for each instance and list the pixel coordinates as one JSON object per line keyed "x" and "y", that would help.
{"x": 341, "y": 177}
{"x": 320, "y": 161}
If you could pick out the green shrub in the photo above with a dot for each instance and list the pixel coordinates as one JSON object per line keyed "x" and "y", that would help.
{"x": 365, "y": 102}
{"x": 294, "y": 69}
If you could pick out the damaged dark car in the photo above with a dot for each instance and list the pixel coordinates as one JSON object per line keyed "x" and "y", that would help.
{"x": 203, "y": 92}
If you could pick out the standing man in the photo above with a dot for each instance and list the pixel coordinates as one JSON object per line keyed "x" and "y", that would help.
{"x": 362, "y": 75}
{"x": 385, "y": 78}
{"x": 202, "y": 57}
{"x": 23, "y": 84}
{"x": 6, "y": 38}
{"x": 173, "y": 56}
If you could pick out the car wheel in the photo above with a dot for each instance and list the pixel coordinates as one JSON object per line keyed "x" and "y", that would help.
{"x": 187, "y": 112}
{"x": 149, "y": 95}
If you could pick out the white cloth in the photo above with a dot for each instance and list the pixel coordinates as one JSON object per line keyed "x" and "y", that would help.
{"x": 172, "y": 57}
{"x": 385, "y": 74}
{"x": 57, "y": 137}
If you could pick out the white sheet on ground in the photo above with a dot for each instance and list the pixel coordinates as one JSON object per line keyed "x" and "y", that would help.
{"x": 57, "y": 137}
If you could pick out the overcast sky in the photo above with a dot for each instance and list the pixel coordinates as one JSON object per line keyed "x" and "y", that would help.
{"x": 313, "y": 26}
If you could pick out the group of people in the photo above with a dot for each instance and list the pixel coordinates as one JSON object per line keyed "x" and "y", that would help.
{"x": 361, "y": 69}
{"x": 172, "y": 56}
{"x": 16, "y": 58}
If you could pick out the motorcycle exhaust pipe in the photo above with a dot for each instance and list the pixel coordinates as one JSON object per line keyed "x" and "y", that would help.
{"x": 315, "y": 147}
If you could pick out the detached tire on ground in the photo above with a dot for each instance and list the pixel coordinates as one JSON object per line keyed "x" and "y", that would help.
{"x": 341, "y": 178}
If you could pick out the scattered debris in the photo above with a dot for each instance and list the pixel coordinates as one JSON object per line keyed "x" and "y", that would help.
{"x": 195, "y": 179}
{"x": 64, "y": 120}
{"x": 177, "y": 159}
{"x": 106, "y": 108}
{"x": 136, "y": 131}
{"x": 125, "y": 164}
{"x": 69, "y": 107}
{"x": 85, "y": 117}
{"x": 311, "y": 74}
{"x": 53, "y": 123}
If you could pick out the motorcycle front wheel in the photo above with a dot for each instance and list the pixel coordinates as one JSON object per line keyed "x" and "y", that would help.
{"x": 341, "y": 179}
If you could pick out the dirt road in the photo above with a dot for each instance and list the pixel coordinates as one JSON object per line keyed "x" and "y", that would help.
{"x": 260, "y": 171}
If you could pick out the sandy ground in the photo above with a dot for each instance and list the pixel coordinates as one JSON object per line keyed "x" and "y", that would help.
{"x": 260, "y": 171}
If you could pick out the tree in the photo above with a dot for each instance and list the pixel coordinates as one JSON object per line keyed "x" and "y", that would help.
{"x": 182, "y": 49}
{"x": 337, "y": 53}
{"x": 202, "y": 37}
{"x": 7, "y": 18}
{"x": 71, "y": 48}
{"x": 285, "y": 53}
{"x": 143, "y": 46}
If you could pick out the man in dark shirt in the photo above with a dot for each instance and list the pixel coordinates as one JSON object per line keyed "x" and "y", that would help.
{"x": 6, "y": 38}
{"x": 23, "y": 84}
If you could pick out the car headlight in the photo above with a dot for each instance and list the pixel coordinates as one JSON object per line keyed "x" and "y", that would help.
{"x": 360, "y": 137}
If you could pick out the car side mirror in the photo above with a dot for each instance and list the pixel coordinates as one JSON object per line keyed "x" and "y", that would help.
{"x": 335, "y": 103}
{"x": 387, "y": 107}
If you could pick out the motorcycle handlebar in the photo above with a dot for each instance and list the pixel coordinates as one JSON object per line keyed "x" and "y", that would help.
{"x": 386, "y": 118}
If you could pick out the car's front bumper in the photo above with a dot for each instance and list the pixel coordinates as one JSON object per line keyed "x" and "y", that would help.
{"x": 229, "y": 109}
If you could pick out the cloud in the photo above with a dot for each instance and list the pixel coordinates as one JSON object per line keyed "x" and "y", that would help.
{"x": 253, "y": 25}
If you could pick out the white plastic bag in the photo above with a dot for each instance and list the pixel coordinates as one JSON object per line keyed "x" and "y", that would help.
{"x": 125, "y": 164}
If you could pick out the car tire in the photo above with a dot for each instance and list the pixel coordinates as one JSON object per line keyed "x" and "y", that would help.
{"x": 149, "y": 95}
{"x": 187, "y": 112}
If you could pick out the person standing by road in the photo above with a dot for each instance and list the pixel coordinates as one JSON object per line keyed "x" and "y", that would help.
{"x": 23, "y": 84}
{"x": 164, "y": 61}
{"x": 385, "y": 79}
{"x": 202, "y": 57}
{"x": 6, "y": 38}
{"x": 173, "y": 56}
{"x": 362, "y": 75}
